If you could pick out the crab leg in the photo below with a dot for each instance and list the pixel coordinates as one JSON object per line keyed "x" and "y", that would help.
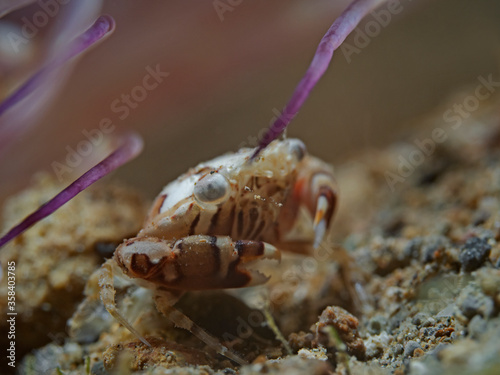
{"x": 107, "y": 292}
{"x": 164, "y": 302}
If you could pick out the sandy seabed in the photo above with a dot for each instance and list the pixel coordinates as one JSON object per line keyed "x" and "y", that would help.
{"x": 408, "y": 282}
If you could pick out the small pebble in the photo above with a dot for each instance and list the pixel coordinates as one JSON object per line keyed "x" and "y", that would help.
{"x": 476, "y": 303}
{"x": 99, "y": 369}
{"x": 419, "y": 318}
{"x": 480, "y": 217}
{"x": 474, "y": 253}
{"x": 412, "y": 249}
{"x": 418, "y": 352}
{"x": 410, "y": 347}
{"x": 397, "y": 349}
{"x": 377, "y": 324}
{"x": 437, "y": 349}
{"x": 477, "y": 326}
{"x": 433, "y": 245}
{"x": 397, "y": 319}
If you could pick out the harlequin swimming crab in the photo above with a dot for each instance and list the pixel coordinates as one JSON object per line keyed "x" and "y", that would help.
{"x": 210, "y": 228}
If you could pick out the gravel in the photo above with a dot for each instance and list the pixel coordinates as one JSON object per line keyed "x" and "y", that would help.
{"x": 474, "y": 253}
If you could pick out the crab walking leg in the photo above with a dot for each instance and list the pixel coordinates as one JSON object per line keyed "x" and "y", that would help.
{"x": 164, "y": 303}
{"x": 107, "y": 292}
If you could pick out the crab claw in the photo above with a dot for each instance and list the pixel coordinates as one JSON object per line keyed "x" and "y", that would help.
{"x": 319, "y": 224}
{"x": 196, "y": 262}
{"x": 253, "y": 257}
{"x": 318, "y": 192}
{"x": 325, "y": 208}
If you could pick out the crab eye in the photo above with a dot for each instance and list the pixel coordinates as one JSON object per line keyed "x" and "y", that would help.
{"x": 297, "y": 148}
{"x": 213, "y": 188}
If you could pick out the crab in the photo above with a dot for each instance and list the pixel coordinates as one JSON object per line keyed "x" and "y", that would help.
{"x": 214, "y": 226}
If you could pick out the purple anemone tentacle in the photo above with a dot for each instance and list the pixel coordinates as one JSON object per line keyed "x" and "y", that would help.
{"x": 101, "y": 27}
{"x": 333, "y": 38}
{"x": 8, "y": 6}
{"x": 130, "y": 146}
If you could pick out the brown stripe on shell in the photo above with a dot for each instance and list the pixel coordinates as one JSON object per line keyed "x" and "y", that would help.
{"x": 238, "y": 278}
{"x": 247, "y": 248}
{"x": 253, "y": 215}
{"x": 249, "y": 185}
{"x": 259, "y": 229}
{"x": 155, "y": 210}
{"x": 216, "y": 253}
{"x": 260, "y": 181}
{"x": 205, "y": 169}
{"x": 213, "y": 221}
{"x": 140, "y": 264}
{"x": 194, "y": 223}
{"x": 240, "y": 223}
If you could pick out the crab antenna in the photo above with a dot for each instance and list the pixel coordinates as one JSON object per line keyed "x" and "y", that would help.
{"x": 130, "y": 146}
{"x": 333, "y": 38}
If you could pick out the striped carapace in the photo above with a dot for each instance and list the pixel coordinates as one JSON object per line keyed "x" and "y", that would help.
{"x": 214, "y": 225}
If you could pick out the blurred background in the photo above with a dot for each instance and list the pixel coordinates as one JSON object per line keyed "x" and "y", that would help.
{"x": 232, "y": 67}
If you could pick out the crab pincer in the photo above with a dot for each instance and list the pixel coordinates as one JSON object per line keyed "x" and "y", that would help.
{"x": 320, "y": 195}
{"x": 195, "y": 262}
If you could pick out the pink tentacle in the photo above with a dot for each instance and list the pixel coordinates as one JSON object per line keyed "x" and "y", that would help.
{"x": 130, "y": 146}
{"x": 333, "y": 38}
